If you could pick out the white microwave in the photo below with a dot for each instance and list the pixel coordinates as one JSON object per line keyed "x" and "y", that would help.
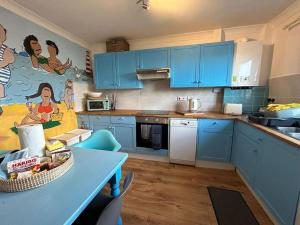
{"x": 98, "y": 105}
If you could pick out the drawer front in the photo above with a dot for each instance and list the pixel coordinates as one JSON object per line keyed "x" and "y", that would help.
{"x": 99, "y": 119}
{"x": 251, "y": 132}
{"x": 123, "y": 119}
{"x": 215, "y": 125}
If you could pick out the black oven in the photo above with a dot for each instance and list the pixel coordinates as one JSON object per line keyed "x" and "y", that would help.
{"x": 152, "y": 132}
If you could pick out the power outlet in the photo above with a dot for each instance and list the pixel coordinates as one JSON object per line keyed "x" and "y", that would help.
{"x": 182, "y": 98}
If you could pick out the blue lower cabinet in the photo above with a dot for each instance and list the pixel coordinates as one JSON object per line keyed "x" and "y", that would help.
{"x": 83, "y": 121}
{"x": 99, "y": 122}
{"x": 122, "y": 127}
{"x": 278, "y": 181}
{"x": 101, "y": 126}
{"x": 125, "y": 135}
{"x": 246, "y": 156}
{"x": 214, "y": 140}
{"x": 271, "y": 168}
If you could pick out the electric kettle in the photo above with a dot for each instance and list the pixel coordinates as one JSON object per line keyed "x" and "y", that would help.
{"x": 194, "y": 104}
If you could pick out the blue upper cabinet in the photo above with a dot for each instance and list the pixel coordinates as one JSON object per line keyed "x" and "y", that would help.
{"x": 154, "y": 58}
{"x": 185, "y": 66}
{"x": 117, "y": 70}
{"x": 208, "y": 65}
{"x": 216, "y": 64}
{"x": 105, "y": 72}
{"x": 126, "y": 64}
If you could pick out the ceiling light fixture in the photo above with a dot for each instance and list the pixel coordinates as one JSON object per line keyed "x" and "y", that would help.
{"x": 144, "y": 4}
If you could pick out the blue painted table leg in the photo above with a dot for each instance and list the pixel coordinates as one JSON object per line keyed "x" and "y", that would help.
{"x": 115, "y": 187}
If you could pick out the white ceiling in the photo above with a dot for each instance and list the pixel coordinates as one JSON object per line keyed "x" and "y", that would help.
{"x": 97, "y": 20}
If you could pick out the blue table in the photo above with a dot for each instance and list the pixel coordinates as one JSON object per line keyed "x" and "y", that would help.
{"x": 61, "y": 201}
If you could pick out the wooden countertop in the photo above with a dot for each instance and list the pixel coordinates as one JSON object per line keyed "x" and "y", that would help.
{"x": 171, "y": 114}
{"x": 204, "y": 115}
{"x": 272, "y": 132}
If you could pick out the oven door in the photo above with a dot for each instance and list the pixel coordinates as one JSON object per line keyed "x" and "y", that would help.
{"x": 151, "y": 135}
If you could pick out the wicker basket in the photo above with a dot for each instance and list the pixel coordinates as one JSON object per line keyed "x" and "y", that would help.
{"x": 36, "y": 180}
{"x": 117, "y": 45}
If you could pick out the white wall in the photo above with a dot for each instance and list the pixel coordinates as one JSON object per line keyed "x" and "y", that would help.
{"x": 234, "y": 33}
{"x": 286, "y": 58}
{"x": 285, "y": 74}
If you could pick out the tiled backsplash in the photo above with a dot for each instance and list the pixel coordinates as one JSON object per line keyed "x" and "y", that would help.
{"x": 157, "y": 95}
{"x": 251, "y": 98}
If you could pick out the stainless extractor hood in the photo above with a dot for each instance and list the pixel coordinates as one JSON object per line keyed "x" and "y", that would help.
{"x": 153, "y": 74}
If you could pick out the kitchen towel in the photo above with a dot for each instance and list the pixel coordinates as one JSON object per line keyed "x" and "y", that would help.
{"x": 145, "y": 131}
{"x": 32, "y": 137}
{"x": 156, "y": 136}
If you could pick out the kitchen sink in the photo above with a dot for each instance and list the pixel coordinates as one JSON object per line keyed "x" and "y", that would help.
{"x": 291, "y": 131}
{"x": 288, "y": 129}
{"x": 295, "y": 135}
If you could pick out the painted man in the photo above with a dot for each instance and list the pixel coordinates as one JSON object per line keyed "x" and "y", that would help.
{"x": 34, "y": 50}
{"x": 6, "y": 57}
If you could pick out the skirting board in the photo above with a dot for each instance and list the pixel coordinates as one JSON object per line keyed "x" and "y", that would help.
{"x": 267, "y": 211}
{"x": 148, "y": 157}
{"x": 214, "y": 165}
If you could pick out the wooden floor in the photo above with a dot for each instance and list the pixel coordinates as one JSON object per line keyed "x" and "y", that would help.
{"x": 171, "y": 194}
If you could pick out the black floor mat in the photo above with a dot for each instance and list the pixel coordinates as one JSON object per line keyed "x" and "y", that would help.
{"x": 230, "y": 207}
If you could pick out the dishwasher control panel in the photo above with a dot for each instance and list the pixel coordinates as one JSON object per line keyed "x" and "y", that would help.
{"x": 183, "y": 122}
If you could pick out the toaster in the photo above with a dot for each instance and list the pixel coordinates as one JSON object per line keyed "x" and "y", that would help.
{"x": 233, "y": 109}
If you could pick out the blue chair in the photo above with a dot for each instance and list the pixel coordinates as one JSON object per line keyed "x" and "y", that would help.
{"x": 101, "y": 140}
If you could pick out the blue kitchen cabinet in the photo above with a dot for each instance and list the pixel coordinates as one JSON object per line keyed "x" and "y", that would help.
{"x": 99, "y": 122}
{"x": 154, "y": 58}
{"x": 83, "y": 121}
{"x": 214, "y": 140}
{"x": 271, "y": 168}
{"x": 246, "y": 157}
{"x": 125, "y": 135}
{"x": 117, "y": 70}
{"x": 278, "y": 180}
{"x": 207, "y": 65}
{"x": 105, "y": 71}
{"x": 122, "y": 127}
{"x": 185, "y": 66}
{"x": 216, "y": 64}
{"x": 124, "y": 130}
{"x": 126, "y": 64}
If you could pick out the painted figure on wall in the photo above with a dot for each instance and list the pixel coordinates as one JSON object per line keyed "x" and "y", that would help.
{"x": 42, "y": 111}
{"x": 68, "y": 97}
{"x": 54, "y": 62}
{"x": 6, "y": 58}
{"x": 34, "y": 50}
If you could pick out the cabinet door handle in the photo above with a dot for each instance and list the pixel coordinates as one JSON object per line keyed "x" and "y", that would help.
{"x": 255, "y": 150}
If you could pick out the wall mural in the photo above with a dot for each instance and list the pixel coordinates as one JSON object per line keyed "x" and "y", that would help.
{"x": 37, "y": 72}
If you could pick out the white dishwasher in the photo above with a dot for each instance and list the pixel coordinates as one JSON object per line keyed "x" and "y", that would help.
{"x": 183, "y": 139}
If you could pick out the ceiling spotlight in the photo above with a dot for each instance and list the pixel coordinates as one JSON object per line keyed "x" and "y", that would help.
{"x": 144, "y": 4}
